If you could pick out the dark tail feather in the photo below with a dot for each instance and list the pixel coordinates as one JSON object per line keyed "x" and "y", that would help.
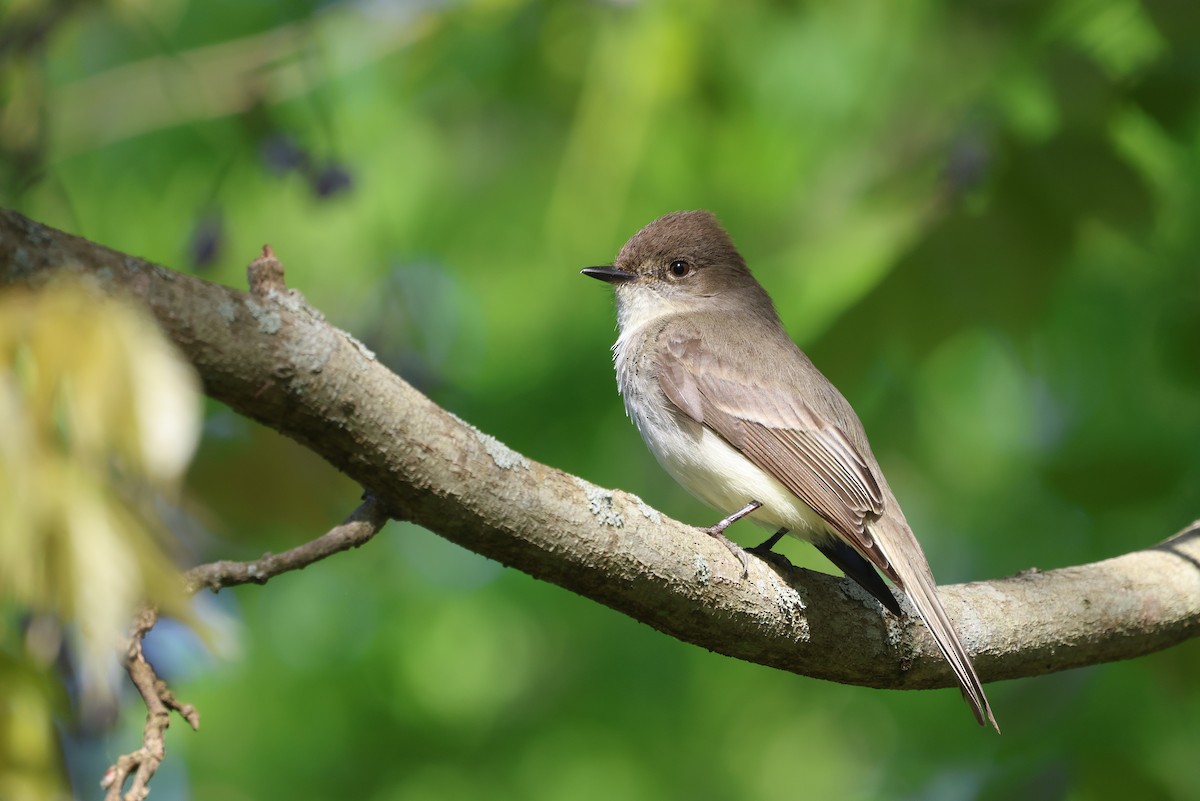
{"x": 856, "y": 567}
{"x": 914, "y": 577}
{"x": 923, "y": 594}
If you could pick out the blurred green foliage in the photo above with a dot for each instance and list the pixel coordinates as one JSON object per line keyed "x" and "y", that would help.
{"x": 99, "y": 418}
{"x": 977, "y": 217}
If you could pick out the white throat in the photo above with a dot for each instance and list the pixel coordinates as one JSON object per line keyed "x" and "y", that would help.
{"x": 638, "y": 307}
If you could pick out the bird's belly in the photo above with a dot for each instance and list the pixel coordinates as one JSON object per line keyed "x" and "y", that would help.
{"x": 718, "y": 474}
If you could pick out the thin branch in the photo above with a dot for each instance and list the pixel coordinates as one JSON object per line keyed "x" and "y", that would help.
{"x": 357, "y": 529}
{"x": 364, "y": 523}
{"x": 160, "y": 702}
{"x": 273, "y": 358}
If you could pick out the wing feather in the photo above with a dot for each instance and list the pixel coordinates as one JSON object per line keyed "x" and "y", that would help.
{"x": 809, "y": 455}
{"x": 812, "y": 453}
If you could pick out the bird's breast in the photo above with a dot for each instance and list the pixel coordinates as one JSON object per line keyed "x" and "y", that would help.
{"x": 698, "y": 458}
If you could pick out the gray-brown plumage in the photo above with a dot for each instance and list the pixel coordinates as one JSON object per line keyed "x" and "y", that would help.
{"x": 737, "y": 413}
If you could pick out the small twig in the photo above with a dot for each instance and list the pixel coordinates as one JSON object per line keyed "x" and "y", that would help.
{"x": 363, "y": 524}
{"x": 265, "y": 274}
{"x": 160, "y": 701}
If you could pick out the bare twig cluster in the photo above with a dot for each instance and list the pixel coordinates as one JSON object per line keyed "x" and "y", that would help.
{"x": 160, "y": 702}
{"x": 363, "y": 524}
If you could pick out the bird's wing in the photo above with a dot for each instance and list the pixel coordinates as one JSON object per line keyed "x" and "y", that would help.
{"x": 812, "y": 456}
{"x": 771, "y": 427}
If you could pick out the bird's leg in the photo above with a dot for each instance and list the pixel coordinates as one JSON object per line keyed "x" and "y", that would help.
{"x": 718, "y": 531}
{"x": 763, "y": 548}
{"x": 719, "y": 528}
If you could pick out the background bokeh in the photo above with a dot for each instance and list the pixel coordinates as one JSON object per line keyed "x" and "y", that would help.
{"x": 979, "y": 219}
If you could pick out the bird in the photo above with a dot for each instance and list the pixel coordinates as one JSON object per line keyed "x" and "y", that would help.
{"x": 736, "y": 413}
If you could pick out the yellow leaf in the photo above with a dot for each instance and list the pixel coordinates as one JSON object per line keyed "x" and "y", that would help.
{"x": 99, "y": 416}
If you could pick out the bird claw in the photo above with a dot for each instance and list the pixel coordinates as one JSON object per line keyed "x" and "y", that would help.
{"x": 735, "y": 549}
{"x": 718, "y": 531}
{"x": 763, "y": 549}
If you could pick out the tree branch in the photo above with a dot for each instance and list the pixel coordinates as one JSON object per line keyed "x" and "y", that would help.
{"x": 273, "y": 358}
{"x": 357, "y": 529}
{"x": 363, "y": 524}
{"x": 160, "y": 702}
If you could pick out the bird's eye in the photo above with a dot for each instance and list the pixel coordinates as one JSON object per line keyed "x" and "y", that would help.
{"x": 680, "y": 268}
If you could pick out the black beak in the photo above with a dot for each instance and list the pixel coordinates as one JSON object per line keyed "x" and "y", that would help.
{"x": 610, "y": 274}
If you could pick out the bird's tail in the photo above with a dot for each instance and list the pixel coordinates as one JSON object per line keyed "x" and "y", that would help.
{"x": 910, "y": 566}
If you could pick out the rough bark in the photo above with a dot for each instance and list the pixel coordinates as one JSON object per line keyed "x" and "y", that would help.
{"x": 271, "y": 357}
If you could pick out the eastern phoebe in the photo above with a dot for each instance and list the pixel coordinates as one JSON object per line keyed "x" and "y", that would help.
{"x": 739, "y": 416}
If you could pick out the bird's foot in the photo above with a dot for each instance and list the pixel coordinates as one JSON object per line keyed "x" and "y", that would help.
{"x": 718, "y": 531}
{"x": 733, "y": 547}
{"x": 764, "y": 548}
